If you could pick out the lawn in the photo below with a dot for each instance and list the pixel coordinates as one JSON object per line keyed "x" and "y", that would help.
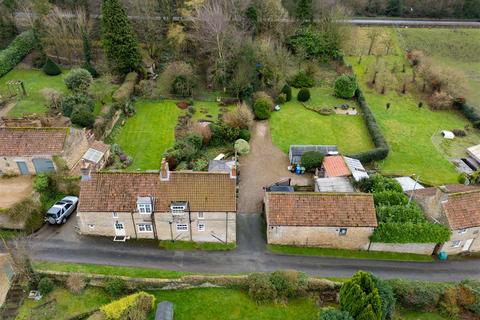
{"x": 294, "y": 124}
{"x": 64, "y": 306}
{"x": 415, "y": 315}
{"x": 102, "y": 90}
{"x": 353, "y": 254}
{"x": 34, "y": 81}
{"x": 132, "y": 272}
{"x": 209, "y": 110}
{"x": 222, "y": 304}
{"x": 190, "y": 245}
{"x": 149, "y": 133}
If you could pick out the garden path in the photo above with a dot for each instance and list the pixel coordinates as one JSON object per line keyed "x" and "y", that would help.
{"x": 5, "y": 110}
{"x": 263, "y": 166}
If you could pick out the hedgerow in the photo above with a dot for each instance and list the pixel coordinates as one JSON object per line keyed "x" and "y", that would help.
{"x": 22, "y": 45}
{"x": 138, "y": 305}
{"x": 410, "y": 232}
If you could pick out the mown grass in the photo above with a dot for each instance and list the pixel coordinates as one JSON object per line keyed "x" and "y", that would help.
{"x": 415, "y": 315}
{"x": 190, "y": 245}
{"x": 149, "y": 133}
{"x": 294, "y": 124}
{"x": 64, "y": 305}
{"x": 352, "y": 254}
{"x": 107, "y": 270}
{"x": 222, "y": 304}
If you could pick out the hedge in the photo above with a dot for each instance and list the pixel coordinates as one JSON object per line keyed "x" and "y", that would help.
{"x": 138, "y": 303}
{"x": 409, "y": 232}
{"x": 470, "y": 113}
{"x": 381, "y": 145}
{"x": 418, "y": 295}
{"x": 127, "y": 88}
{"x": 22, "y": 45}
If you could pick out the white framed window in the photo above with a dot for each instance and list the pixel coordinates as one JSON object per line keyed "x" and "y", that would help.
{"x": 456, "y": 244}
{"x": 342, "y": 231}
{"x": 119, "y": 226}
{"x": 144, "y": 208}
{"x": 115, "y": 215}
{"x": 462, "y": 231}
{"x": 201, "y": 216}
{"x": 201, "y": 226}
{"x": 91, "y": 226}
{"x": 146, "y": 227}
{"x": 181, "y": 227}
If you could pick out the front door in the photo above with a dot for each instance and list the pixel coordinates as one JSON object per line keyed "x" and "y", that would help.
{"x": 120, "y": 229}
{"x": 467, "y": 245}
{"x": 22, "y": 166}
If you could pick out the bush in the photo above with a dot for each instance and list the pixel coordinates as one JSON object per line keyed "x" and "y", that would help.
{"x": 360, "y": 298}
{"x": 204, "y": 131}
{"x": 126, "y": 90}
{"x": 45, "y": 286}
{"x": 282, "y": 98}
{"x": 245, "y": 134}
{"x": 260, "y": 289}
{"x": 287, "y": 91}
{"x": 441, "y": 101}
{"x": 115, "y": 287}
{"x": 302, "y": 80}
{"x": 22, "y": 45}
{"x": 312, "y": 160}
{"x": 418, "y": 295}
{"x": 28, "y": 211}
{"x": 91, "y": 69}
{"x": 242, "y": 147}
{"x": 459, "y": 132}
{"x": 78, "y": 80}
{"x": 76, "y": 283}
{"x": 378, "y": 183}
{"x": 289, "y": 283}
{"x": 136, "y": 307}
{"x": 387, "y": 296}
{"x": 82, "y": 116}
{"x": 334, "y": 314}
{"x": 241, "y": 117}
{"x": 261, "y": 108}
{"x": 185, "y": 149}
{"x": 178, "y": 77}
{"x": 314, "y": 44}
{"x": 303, "y": 95}
{"x": 390, "y": 198}
{"x": 223, "y": 134}
{"x": 345, "y": 86}
{"x": 50, "y": 68}
{"x": 41, "y": 182}
{"x": 409, "y": 232}
{"x": 200, "y": 165}
{"x": 399, "y": 213}
{"x": 69, "y": 103}
{"x": 183, "y": 86}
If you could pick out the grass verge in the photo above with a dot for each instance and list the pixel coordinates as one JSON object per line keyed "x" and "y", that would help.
{"x": 354, "y": 254}
{"x": 189, "y": 245}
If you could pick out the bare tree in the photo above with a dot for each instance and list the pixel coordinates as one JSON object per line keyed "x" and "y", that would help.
{"x": 372, "y": 35}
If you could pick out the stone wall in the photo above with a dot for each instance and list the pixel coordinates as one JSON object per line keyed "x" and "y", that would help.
{"x": 463, "y": 236}
{"x": 418, "y": 248}
{"x": 327, "y": 237}
{"x": 6, "y": 275}
{"x": 9, "y": 165}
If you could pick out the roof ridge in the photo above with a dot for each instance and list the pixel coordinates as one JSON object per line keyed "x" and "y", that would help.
{"x": 463, "y": 192}
{"x": 324, "y": 193}
{"x": 158, "y": 172}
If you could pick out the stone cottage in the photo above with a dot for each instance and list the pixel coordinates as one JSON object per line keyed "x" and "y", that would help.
{"x": 330, "y": 220}
{"x": 165, "y": 205}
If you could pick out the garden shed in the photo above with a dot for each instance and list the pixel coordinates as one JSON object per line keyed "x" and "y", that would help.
{"x": 474, "y": 152}
{"x": 356, "y": 168}
{"x": 335, "y": 184}
{"x": 296, "y": 151}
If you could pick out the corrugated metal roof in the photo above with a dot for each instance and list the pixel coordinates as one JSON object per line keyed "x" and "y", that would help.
{"x": 356, "y": 168}
{"x": 408, "y": 184}
{"x": 296, "y": 151}
{"x": 336, "y": 184}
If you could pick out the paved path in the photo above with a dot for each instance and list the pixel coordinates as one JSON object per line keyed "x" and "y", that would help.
{"x": 62, "y": 244}
{"x": 263, "y": 166}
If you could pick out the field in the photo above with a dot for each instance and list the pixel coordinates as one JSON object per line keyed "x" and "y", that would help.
{"x": 294, "y": 124}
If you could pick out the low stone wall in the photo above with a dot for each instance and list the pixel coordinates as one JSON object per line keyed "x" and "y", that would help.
{"x": 418, "y": 248}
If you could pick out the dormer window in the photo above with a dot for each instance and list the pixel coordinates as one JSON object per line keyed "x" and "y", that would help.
{"x": 178, "y": 207}
{"x": 144, "y": 205}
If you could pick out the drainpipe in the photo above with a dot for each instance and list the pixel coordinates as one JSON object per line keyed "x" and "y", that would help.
{"x": 154, "y": 225}
{"x": 171, "y": 230}
{"x": 190, "y": 222}
{"x": 226, "y": 227}
{"x": 134, "y": 226}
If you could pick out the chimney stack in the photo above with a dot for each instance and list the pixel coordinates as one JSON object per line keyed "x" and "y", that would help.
{"x": 85, "y": 171}
{"x": 164, "y": 171}
{"x": 233, "y": 172}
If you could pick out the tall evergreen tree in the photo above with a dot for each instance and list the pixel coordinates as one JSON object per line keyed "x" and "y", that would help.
{"x": 394, "y": 8}
{"x": 359, "y": 296}
{"x": 119, "y": 40}
{"x": 303, "y": 11}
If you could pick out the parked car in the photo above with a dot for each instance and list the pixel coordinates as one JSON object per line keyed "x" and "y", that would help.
{"x": 61, "y": 210}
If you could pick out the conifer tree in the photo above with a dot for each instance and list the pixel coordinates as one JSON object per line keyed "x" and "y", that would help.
{"x": 304, "y": 12}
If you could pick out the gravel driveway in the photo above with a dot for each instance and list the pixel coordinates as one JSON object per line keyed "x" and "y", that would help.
{"x": 263, "y": 166}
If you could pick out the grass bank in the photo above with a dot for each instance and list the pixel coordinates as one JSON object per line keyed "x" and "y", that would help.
{"x": 190, "y": 245}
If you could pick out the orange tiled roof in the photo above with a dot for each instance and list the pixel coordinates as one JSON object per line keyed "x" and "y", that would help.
{"x": 320, "y": 209}
{"x": 463, "y": 210}
{"x": 109, "y": 192}
{"x": 335, "y": 166}
{"x": 100, "y": 146}
{"x": 31, "y": 141}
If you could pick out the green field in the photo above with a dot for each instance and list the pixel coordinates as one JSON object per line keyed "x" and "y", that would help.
{"x": 294, "y": 124}
{"x": 149, "y": 133}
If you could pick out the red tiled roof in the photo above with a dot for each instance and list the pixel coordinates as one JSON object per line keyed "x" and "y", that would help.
{"x": 31, "y": 141}
{"x": 335, "y": 166}
{"x": 109, "y": 192}
{"x": 99, "y": 146}
{"x": 320, "y": 209}
{"x": 463, "y": 210}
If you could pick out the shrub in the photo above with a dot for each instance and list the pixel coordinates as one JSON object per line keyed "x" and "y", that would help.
{"x": 82, "y": 116}
{"x": 391, "y": 198}
{"x": 241, "y": 117}
{"x": 76, "y": 283}
{"x": 22, "y": 45}
{"x": 115, "y": 287}
{"x": 41, "y": 182}
{"x": 287, "y": 91}
{"x": 69, "y": 103}
{"x": 245, "y": 134}
{"x": 334, "y": 314}
{"x": 378, "y": 183}
{"x": 50, "y": 68}
{"x": 399, "y": 213}
{"x": 45, "y": 286}
{"x": 303, "y": 95}
{"x": 91, "y": 69}
{"x": 441, "y": 101}
{"x": 302, "y": 80}
{"x": 418, "y": 295}
{"x": 242, "y": 147}
{"x": 126, "y": 90}
{"x": 312, "y": 160}
{"x": 360, "y": 298}
{"x": 177, "y": 77}
{"x": 409, "y": 232}
{"x": 204, "y": 131}
{"x": 260, "y": 289}
{"x": 28, "y": 211}
{"x": 78, "y": 80}
{"x": 459, "y": 132}
{"x": 289, "y": 283}
{"x": 136, "y": 307}
{"x": 261, "y": 108}
{"x": 387, "y": 296}
{"x": 200, "y": 165}
{"x": 282, "y": 98}
{"x": 183, "y": 86}
{"x": 314, "y": 43}
{"x": 345, "y": 86}
{"x": 195, "y": 140}
{"x": 223, "y": 134}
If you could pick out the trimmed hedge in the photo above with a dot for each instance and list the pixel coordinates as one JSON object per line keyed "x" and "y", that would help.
{"x": 126, "y": 90}
{"x": 50, "y": 68}
{"x": 22, "y": 45}
{"x": 409, "y": 232}
{"x": 418, "y": 295}
{"x": 382, "y": 148}
{"x": 470, "y": 113}
{"x": 139, "y": 304}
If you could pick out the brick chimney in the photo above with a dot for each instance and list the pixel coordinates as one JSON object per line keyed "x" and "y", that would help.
{"x": 85, "y": 170}
{"x": 233, "y": 172}
{"x": 164, "y": 171}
